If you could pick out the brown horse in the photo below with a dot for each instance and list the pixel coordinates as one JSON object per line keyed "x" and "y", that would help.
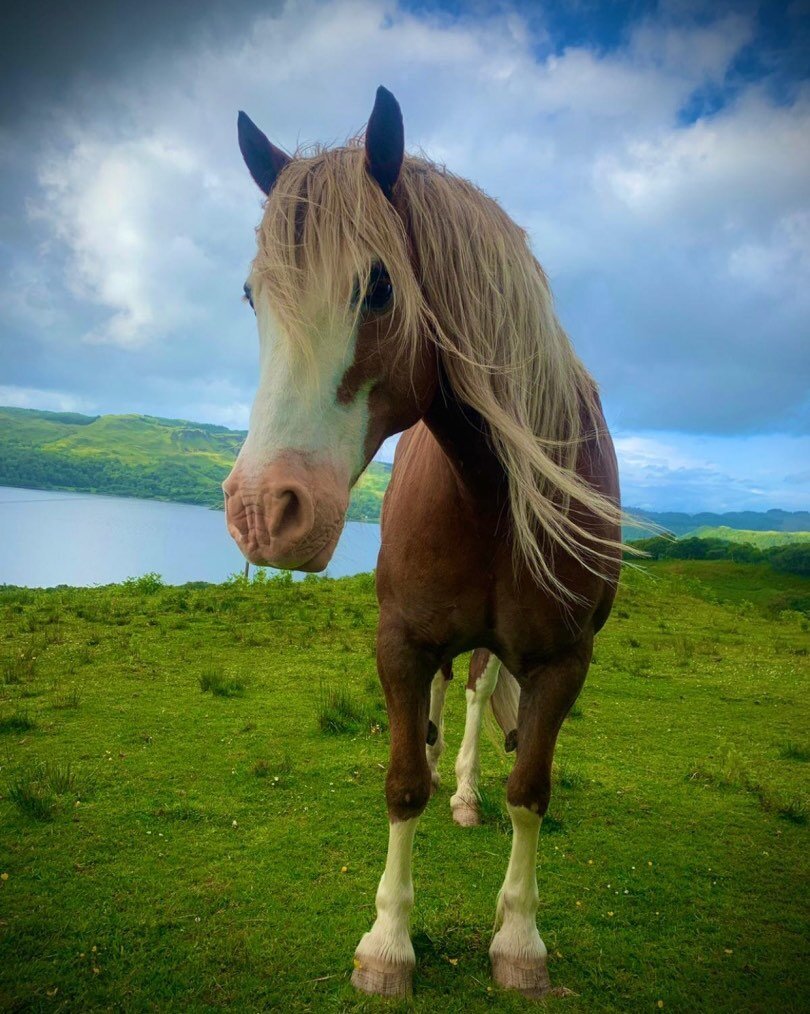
{"x": 391, "y": 295}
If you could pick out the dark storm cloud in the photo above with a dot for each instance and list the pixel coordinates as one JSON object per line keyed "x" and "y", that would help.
{"x": 48, "y": 48}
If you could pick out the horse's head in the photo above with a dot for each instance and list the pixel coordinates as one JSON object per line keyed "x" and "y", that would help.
{"x": 334, "y": 292}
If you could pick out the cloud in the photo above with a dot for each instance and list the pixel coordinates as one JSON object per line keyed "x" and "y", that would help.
{"x": 677, "y": 247}
{"x": 666, "y": 471}
{"x": 49, "y": 401}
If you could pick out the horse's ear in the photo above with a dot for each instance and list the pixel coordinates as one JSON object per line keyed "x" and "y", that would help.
{"x": 264, "y": 160}
{"x": 385, "y": 141}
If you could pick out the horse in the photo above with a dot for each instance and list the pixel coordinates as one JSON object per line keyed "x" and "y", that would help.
{"x": 392, "y": 296}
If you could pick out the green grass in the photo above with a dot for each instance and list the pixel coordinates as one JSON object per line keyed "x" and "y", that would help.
{"x": 163, "y": 848}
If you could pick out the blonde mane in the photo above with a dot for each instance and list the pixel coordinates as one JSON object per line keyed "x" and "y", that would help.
{"x": 464, "y": 277}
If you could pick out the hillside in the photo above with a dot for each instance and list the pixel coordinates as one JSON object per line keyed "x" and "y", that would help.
{"x": 137, "y": 455}
{"x": 192, "y": 812}
{"x": 752, "y": 521}
{"x": 172, "y": 459}
{"x": 762, "y": 540}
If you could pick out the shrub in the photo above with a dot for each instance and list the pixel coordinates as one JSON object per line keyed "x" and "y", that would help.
{"x": 147, "y": 584}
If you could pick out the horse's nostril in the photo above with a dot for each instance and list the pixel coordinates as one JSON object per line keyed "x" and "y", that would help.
{"x": 287, "y": 513}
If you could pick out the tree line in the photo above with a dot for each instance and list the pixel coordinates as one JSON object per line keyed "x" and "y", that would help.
{"x": 793, "y": 558}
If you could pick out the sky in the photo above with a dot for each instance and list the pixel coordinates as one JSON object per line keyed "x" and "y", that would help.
{"x": 658, "y": 153}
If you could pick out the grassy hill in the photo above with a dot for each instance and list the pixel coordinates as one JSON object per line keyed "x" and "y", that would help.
{"x": 762, "y": 540}
{"x": 137, "y": 455}
{"x": 192, "y": 812}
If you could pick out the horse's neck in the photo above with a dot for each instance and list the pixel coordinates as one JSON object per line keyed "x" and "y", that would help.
{"x": 463, "y": 436}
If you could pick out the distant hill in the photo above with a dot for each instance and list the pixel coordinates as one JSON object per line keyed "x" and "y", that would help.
{"x": 752, "y": 521}
{"x": 137, "y": 455}
{"x": 762, "y": 540}
{"x": 172, "y": 459}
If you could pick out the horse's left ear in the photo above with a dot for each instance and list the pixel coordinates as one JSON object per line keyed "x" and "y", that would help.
{"x": 385, "y": 141}
{"x": 264, "y": 160}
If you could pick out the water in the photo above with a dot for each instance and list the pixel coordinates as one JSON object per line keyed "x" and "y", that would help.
{"x": 49, "y": 538}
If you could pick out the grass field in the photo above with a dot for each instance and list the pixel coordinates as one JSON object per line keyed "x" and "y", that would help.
{"x": 192, "y": 813}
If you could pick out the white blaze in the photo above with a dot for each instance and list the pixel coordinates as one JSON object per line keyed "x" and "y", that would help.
{"x": 294, "y": 411}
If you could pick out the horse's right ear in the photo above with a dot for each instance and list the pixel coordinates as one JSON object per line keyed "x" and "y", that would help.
{"x": 264, "y": 160}
{"x": 385, "y": 141}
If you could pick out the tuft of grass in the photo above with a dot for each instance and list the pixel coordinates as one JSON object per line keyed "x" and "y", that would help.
{"x": 60, "y": 778}
{"x": 220, "y": 685}
{"x": 640, "y": 666}
{"x": 20, "y": 721}
{"x": 32, "y": 799}
{"x": 20, "y": 668}
{"x": 793, "y": 751}
{"x": 261, "y": 769}
{"x": 67, "y": 699}
{"x": 492, "y": 808}
{"x": 339, "y": 713}
{"x": 182, "y": 812}
{"x": 733, "y": 773}
{"x": 36, "y": 793}
{"x": 792, "y": 808}
{"x": 567, "y": 777}
{"x": 685, "y": 651}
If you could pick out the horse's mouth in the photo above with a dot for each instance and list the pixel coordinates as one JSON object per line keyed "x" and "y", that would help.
{"x": 311, "y": 564}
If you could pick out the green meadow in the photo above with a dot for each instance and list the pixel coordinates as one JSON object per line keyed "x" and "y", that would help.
{"x": 192, "y": 813}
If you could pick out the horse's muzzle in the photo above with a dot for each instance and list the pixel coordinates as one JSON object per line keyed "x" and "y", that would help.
{"x": 287, "y": 514}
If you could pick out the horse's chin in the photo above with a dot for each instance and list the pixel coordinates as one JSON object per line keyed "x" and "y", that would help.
{"x": 310, "y": 564}
{"x": 319, "y": 562}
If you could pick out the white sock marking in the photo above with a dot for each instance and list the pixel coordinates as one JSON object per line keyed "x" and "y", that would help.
{"x": 389, "y": 941}
{"x": 516, "y": 913}
{"x": 467, "y": 762}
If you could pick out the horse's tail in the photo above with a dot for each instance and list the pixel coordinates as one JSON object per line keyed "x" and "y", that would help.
{"x": 504, "y": 703}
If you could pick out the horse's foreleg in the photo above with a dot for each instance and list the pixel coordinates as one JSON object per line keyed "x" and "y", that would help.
{"x": 484, "y": 669}
{"x": 435, "y": 735}
{"x": 517, "y": 953}
{"x": 384, "y": 960}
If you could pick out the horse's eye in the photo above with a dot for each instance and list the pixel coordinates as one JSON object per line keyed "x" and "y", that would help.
{"x": 379, "y": 291}
{"x": 248, "y": 295}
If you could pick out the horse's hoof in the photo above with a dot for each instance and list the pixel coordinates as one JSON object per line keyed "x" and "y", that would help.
{"x": 465, "y": 815}
{"x": 379, "y": 978}
{"x": 530, "y": 978}
{"x": 435, "y": 782}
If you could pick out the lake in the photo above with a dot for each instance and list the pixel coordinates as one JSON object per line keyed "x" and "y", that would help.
{"x": 49, "y": 538}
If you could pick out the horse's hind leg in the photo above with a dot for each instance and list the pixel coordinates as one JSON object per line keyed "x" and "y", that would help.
{"x": 384, "y": 959}
{"x": 435, "y": 735}
{"x": 517, "y": 953}
{"x": 484, "y": 668}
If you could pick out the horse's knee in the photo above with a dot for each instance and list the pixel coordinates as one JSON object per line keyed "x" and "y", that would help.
{"x": 532, "y": 791}
{"x": 407, "y": 793}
